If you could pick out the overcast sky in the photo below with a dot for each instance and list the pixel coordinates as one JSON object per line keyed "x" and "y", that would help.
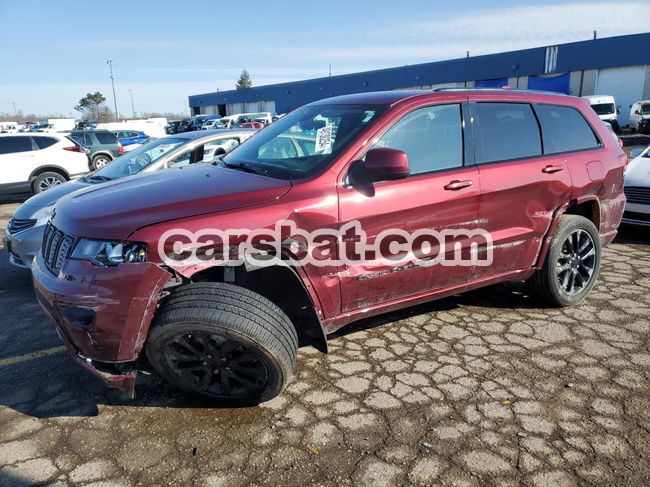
{"x": 53, "y": 52}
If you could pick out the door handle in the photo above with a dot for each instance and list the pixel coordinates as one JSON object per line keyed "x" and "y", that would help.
{"x": 550, "y": 169}
{"x": 457, "y": 184}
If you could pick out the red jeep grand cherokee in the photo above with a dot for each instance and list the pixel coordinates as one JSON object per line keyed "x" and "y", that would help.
{"x": 538, "y": 173}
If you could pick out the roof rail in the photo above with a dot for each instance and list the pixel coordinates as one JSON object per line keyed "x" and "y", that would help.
{"x": 504, "y": 90}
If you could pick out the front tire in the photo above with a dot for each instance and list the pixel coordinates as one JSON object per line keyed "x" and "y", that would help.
{"x": 572, "y": 263}
{"x": 47, "y": 180}
{"x": 224, "y": 342}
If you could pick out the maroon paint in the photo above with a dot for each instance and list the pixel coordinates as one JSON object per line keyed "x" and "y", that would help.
{"x": 519, "y": 202}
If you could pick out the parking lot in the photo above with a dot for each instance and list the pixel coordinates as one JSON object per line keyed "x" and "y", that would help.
{"x": 484, "y": 388}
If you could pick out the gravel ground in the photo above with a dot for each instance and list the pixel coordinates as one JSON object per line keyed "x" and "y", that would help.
{"x": 487, "y": 388}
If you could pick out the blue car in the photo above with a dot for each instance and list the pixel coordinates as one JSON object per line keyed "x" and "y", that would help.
{"x": 128, "y": 137}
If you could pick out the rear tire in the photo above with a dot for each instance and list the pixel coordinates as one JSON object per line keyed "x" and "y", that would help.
{"x": 47, "y": 180}
{"x": 572, "y": 263}
{"x": 100, "y": 161}
{"x": 224, "y": 342}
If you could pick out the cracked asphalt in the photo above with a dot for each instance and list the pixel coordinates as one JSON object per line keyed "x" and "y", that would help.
{"x": 487, "y": 388}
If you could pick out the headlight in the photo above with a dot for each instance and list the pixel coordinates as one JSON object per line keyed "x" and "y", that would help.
{"x": 42, "y": 215}
{"x": 105, "y": 253}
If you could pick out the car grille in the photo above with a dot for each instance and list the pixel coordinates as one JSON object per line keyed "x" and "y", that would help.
{"x": 56, "y": 247}
{"x": 16, "y": 225}
{"x": 638, "y": 194}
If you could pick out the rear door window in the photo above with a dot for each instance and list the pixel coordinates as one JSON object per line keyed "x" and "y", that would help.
{"x": 505, "y": 131}
{"x": 565, "y": 129}
{"x": 432, "y": 138}
{"x": 106, "y": 138}
{"x": 9, "y": 145}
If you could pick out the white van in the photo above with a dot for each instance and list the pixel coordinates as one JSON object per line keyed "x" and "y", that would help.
{"x": 605, "y": 107}
{"x": 640, "y": 116}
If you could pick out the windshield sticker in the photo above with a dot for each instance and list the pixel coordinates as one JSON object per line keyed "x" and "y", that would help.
{"x": 323, "y": 138}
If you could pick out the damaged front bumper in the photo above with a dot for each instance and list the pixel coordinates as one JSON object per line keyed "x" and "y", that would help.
{"x": 102, "y": 313}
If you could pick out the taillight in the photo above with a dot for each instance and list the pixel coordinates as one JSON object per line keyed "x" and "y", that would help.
{"x": 120, "y": 148}
{"x": 75, "y": 148}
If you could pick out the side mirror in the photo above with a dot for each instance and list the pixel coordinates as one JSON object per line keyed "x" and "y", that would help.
{"x": 385, "y": 164}
{"x": 635, "y": 153}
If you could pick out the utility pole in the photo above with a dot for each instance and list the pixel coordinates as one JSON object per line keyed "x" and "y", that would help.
{"x": 330, "y": 70}
{"x": 595, "y": 34}
{"x": 14, "y": 104}
{"x": 466, "y": 53}
{"x": 110, "y": 65}
{"x": 132, "y": 106}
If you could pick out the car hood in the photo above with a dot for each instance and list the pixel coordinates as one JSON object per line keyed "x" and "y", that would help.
{"x": 637, "y": 172}
{"x": 116, "y": 209}
{"x": 48, "y": 198}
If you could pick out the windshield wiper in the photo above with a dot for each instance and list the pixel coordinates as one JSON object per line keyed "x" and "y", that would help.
{"x": 244, "y": 166}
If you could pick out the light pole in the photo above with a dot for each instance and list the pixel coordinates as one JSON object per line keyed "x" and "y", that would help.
{"x": 14, "y": 104}
{"x": 110, "y": 65}
{"x": 132, "y": 106}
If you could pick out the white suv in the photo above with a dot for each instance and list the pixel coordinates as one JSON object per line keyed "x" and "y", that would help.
{"x": 37, "y": 162}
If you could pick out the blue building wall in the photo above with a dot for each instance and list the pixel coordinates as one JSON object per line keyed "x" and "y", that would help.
{"x": 630, "y": 50}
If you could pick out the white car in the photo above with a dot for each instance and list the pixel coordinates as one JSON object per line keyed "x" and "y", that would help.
{"x": 210, "y": 124}
{"x": 39, "y": 161}
{"x": 637, "y": 188}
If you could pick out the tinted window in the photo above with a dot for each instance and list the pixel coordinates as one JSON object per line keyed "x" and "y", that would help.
{"x": 15, "y": 144}
{"x": 106, "y": 138}
{"x": 505, "y": 131}
{"x": 43, "y": 142}
{"x": 565, "y": 129}
{"x": 432, "y": 137}
{"x": 83, "y": 139}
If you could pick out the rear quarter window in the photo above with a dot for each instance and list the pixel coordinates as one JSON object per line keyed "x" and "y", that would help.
{"x": 565, "y": 129}
{"x": 106, "y": 138}
{"x": 44, "y": 142}
{"x": 505, "y": 131}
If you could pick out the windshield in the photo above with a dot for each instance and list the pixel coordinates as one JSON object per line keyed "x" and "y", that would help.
{"x": 222, "y": 124}
{"x": 136, "y": 160}
{"x": 603, "y": 108}
{"x": 305, "y": 141}
{"x": 645, "y": 109}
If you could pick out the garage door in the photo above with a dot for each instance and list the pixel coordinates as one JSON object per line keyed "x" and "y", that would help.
{"x": 624, "y": 84}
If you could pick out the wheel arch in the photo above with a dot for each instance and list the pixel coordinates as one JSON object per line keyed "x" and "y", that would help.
{"x": 102, "y": 153}
{"x": 586, "y": 206}
{"x": 48, "y": 168}
{"x": 284, "y": 285}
